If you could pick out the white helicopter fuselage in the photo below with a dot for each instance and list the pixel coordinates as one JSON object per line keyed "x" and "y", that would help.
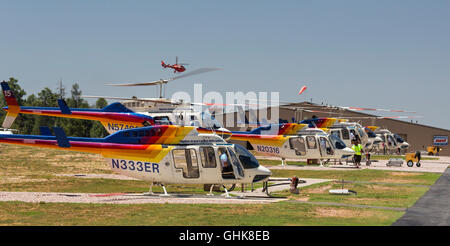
{"x": 175, "y": 168}
{"x": 390, "y": 141}
{"x": 345, "y": 130}
{"x": 303, "y": 146}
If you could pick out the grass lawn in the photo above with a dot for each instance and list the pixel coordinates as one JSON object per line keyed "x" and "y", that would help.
{"x": 278, "y": 214}
{"x": 416, "y": 178}
{"x": 367, "y": 194}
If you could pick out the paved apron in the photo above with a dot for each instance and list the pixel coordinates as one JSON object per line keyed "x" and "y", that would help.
{"x": 433, "y": 208}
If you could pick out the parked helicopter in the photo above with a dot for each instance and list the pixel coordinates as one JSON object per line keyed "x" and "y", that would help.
{"x": 160, "y": 155}
{"x": 177, "y": 67}
{"x": 391, "y": 142}
{"x": 310, "y": 143}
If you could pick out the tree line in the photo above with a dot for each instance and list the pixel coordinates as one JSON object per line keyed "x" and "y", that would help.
{"x": 30, "y": 124}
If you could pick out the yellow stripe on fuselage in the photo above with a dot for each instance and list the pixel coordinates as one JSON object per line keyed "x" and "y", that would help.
{"x": 269, "y": 140}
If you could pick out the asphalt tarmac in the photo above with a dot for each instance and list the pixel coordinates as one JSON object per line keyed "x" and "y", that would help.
{"x": 433, "y": 208}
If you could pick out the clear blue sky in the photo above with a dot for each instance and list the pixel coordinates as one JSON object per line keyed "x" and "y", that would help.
{"x": 384, "y": 54}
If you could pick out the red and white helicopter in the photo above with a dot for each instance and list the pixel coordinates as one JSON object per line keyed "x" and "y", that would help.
{"x": 177, "y": 67}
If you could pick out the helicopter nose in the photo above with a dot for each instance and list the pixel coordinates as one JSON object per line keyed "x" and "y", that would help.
{"x": 377, "y": 140}
{"x": 348, "y": 151}
{"x": 404, "y": 145}
{"x": 262, "y": 174}
{"x": 345, "y": 152}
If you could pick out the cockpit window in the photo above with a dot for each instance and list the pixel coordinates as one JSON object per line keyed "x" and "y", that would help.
{"x": 337, "y": 142}
{"x": 398, "y": 138}
{"x": 246, "y": 158}
{"x": 370, "y": 133}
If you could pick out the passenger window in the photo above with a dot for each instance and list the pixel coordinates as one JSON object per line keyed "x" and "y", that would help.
{"x": 186, "y": 159}
{"x": 345, "y": 134}
{"x": 208, "y": 157}
{"x": 311, "y": 140}
{"x": 298, "y": 144}
{"x": 336, "y": 133}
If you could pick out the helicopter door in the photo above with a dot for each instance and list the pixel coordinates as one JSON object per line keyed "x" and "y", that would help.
{"x": 325, "y": 147}
{"x": 210, "y": 171}
{"x": 186, "y": 163}
{"x": 391, "y": 141}
{"x": 237, "y": 167}
{"x": 311, "y": 144}
{"x": 230, "y": 165}
{"x": 225, "y": 164}
{"x": 345, "y": 134}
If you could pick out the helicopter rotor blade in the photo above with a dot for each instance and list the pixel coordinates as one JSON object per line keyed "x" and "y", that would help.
{"x": 135, "y": 99}
{"x": 380, "y": 117}
{"x": 195, "y": 72}
{"x": 376, "y": 109}
{"x": 158, "y": 82}
{"x": 165, "y": 81}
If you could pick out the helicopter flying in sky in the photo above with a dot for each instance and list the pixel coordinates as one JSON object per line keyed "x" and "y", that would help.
{"x": 177, "y": 67}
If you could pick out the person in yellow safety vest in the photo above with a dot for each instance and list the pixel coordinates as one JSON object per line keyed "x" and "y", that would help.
{"x": 358, "y": 149}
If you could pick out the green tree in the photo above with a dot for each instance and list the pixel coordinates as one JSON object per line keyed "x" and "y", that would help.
{"x": 101, "y": 103}
{"x": 46, "y": 98}
{"x": 75, "y": 127}
{"x": 97, "y": 130}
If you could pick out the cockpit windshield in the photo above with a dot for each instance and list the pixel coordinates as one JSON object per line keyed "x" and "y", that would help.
{"x": 246, "y": 158}
{"x": 209, "y": 121}
{"x": 337, "y": 142}
{"x": 398, "y": 138}
{"x": 370, "y": 133}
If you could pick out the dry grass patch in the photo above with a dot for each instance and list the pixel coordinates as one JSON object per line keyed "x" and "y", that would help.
{"x": 382, "y": 188}
{"x": 342, "y": 212}
{"x": 20, "y": 179}
{"x": 302, "y": 199}
{"x": 320, "y": 190}
{"x": 405, "y": 174}
{"x": 392, "y": 181}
